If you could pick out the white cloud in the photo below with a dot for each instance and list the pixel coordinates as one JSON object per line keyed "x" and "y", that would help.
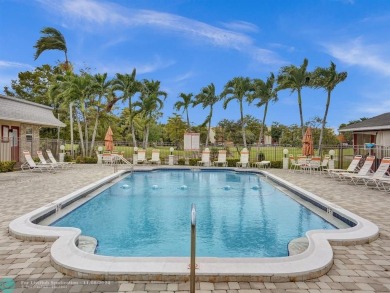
{"x": 11, "y": 64}
{"x": 184, "y": 76}
{"x": 356, "y": 53}
{"x": 127, "y": 66}
{"x": 90, "y": 13}
{"x": 241, "y": 26}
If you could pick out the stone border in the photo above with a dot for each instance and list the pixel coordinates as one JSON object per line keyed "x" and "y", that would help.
{"x": 315, "y": 261}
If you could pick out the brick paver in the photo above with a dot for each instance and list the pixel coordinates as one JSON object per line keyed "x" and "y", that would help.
{"x": 358, "y": 268}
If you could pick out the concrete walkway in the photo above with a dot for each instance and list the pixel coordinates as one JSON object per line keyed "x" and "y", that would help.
{"x": 361, "y": 268}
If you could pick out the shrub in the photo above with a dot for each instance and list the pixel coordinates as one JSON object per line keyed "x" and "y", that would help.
{"x": 67, "y": 158}
{"x": 232, "y": 162}
{"x": 181, "y": 162}
{"x": 193, "y": 162}
{"x": 86, "y": 160}
{"x": 7, "y": 166}
{"x": 277, "y": 164}
{"x": 260, "y": 157}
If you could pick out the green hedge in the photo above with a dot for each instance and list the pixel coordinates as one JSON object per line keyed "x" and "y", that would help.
{"x": 232, "y": 162}
{"x": 277, "y": 164}
{"x": 7, "y": 166}
{"x": 86, "y": 160}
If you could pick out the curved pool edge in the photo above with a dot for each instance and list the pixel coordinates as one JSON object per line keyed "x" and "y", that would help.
{"x": 315, "y": 261}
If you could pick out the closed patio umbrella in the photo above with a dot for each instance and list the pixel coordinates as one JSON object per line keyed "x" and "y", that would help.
{"x": 108, "y": 140}
{"x": 308, "y": 148}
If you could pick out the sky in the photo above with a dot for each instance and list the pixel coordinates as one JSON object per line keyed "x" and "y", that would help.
{"x": 188, "y": 44}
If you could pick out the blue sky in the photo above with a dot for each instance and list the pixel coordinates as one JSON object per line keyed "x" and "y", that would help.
{"x": 187, "y": 44}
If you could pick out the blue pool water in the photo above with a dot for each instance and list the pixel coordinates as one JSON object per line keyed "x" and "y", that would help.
{"x": 148, "y": 214}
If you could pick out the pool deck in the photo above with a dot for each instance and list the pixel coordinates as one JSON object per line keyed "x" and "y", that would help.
{"x": 360, "y": 268}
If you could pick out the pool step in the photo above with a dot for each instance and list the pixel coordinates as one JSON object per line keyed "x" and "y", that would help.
{"x": 87, "y": 244}
{"x": 298, "y": 245}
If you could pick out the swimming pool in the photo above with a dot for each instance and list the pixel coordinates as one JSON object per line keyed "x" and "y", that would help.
{"x": 313, "y": 262}
{"x": 238, "y": 215}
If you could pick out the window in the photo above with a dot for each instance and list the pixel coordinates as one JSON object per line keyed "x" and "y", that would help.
{"x": 4, "y": 133}
{"x": 29, "y": 134}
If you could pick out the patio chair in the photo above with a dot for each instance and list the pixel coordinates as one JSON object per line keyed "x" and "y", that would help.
{"x": 244, "y": 159}
{"x": 141, "y": 157}
{"x": 107, "y": 159}
{"x": 155, "y": 157}
{"x": 221, "y": 159}
{"x": 365, "y": 170}
{"x": 294, "y": 165}
{"x": 32, "y": 166}
{"x": 54, "y": 161}
{"x": 44, "y": 162}
{"x": 352, "y": 168}
{"x": 380, "y": 176}
{"x": 314, "y": 164}
{"x": 205, "y": 158}
{"x": 324, "y": 164}
{"x": 303, "y": 163}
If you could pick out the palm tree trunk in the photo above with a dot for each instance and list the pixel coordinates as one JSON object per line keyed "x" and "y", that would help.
{"x": 188, "y": 120}
{"x": 147, "y": 137}
{"x": 71, "y": 129}
{"x": 94, "y": 133}
{"x": 242, "y": 124}
{"x": 80, "y": 135}
{"x": 323, "y": 124}
{"x": 261, "y": 137}
{"x": 86, "y": 133}
{"x": 300, "y": 112}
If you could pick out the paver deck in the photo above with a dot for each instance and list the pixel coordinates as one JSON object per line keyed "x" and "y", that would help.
{"x": 359, "y": 268}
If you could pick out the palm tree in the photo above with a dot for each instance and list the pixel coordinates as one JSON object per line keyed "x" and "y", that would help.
{"x": 149, "y": 105}
{"x": 328, "y": 79}
{"x": 295, "y": 78}
{"x": 266, "y": 92}
{"x": 186, "y": 101}
{"x": 129, "y": 86}
{"x": 103, "y": 90}
{"x": 53, "y": 39}
{"x": 207, "y": 98}
{"x": 237, "y": 89}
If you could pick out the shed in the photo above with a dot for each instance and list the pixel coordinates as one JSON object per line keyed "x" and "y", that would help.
{"x": 20, "y": 121}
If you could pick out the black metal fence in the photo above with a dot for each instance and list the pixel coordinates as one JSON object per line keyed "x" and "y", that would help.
{"x": 343, "y": 153}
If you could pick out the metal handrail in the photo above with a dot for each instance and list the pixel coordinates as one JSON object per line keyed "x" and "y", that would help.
{"x": 193, "y": 242}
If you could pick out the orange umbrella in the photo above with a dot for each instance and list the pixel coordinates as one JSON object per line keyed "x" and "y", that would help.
{"x": 108, "y": 140}
{"x": 307, "y": 148}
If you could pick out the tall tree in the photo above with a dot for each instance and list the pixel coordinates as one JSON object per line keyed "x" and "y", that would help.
{"x": 102, "y": 90}
{"x": 149, "y": 105}
{"x": 295, "y": 78}
{"x": 265, "y": 92}
{"x": 185, "y": 102}
{"x": 52, "y": 39}
{"x": 207, "y": 98}
{"x": 328, "y": 79}
{"x": 238, "y": 89}
{"x": 129, "y": 86}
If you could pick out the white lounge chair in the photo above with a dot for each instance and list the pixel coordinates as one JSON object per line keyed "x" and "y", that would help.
{"x": 32, "y": 166}
{"x": 141, "y": 158}
{"x": 155, "y": 157}
{"x": 44, "y": 162}
{"x": 221, "y": 159}
{"x": 364, "y": 171}
{"x": 244, "y": 158}
{"x": 205, "y": 158}
{"x": 54, "y": 161}
{"x": 380, "y": 176}
{"x": 352, "y": 168}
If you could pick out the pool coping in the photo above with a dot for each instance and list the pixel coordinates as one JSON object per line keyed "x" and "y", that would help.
{"x": 315, "y": 261}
